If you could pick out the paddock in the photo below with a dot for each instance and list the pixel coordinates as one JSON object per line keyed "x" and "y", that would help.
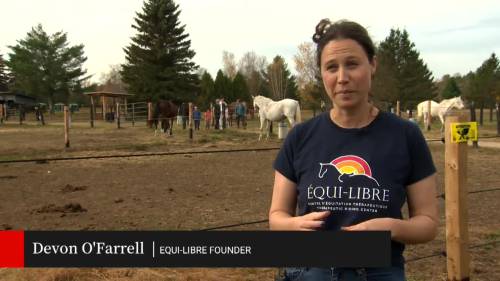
{"x": 187, "y": 191}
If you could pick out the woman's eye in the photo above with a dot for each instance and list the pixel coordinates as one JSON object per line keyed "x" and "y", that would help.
{"x": 332, "y": 67}
{"x": 352, "y": 64}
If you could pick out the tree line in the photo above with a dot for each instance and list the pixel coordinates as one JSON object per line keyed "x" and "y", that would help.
{"x": 159, "y": 65}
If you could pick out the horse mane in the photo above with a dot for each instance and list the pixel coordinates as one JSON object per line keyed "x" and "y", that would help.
{"x": 449, "y": 101}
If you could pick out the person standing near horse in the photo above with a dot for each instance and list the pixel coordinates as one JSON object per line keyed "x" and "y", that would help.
{"x": 222, "y": 117}
{"x": 350, "y": 146}
{"x": 184, "y": 113}
{"x": 217, "y": 114}
{"x": 241, "y": 112}
{"x": 196, "y": 118}
{"x": 208, "y": 118}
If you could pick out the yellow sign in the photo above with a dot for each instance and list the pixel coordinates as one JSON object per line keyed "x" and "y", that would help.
{"x": 462, "y": 132}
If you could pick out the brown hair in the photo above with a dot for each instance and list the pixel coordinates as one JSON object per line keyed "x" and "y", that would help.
{"x": 327, "y": 31}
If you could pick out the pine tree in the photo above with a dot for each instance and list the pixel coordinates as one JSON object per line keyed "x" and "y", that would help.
{"x": 222, "y": 86}
{"x": 413, "y": 80}
{"x": 280, "y": 81}
{"x": 451, "y": 89}
{"x": 207, "y": 91}
{"x": 240, "y": 88}
{"x": 159, "y": 58}
{"x": 45, "y": 67}
{"x": 4, "y": 76}
{"x": 482, "y": 85}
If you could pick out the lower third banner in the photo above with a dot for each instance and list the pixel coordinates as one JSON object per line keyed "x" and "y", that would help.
{"x": 195, "y": 249}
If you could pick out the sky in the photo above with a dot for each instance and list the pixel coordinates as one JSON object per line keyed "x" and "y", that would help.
{"x": 452, "y": 36}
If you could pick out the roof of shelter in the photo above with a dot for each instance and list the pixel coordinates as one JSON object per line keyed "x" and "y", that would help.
{"x": 107, "y": 94}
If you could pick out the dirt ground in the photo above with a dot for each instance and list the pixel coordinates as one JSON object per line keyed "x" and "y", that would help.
{"x": 188, "y": 192}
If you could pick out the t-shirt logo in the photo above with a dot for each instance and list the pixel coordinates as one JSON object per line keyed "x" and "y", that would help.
{"x": 346, "y": 184}
{"x": 351, "y": 166}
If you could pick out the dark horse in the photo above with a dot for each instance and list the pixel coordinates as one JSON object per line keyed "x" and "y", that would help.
{"x": 165, "y": 112}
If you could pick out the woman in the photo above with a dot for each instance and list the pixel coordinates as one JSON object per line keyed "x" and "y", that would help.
{"x": 353, "y": 168}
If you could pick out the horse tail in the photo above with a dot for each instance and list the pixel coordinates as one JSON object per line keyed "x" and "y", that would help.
{"x": 298, "y": 115}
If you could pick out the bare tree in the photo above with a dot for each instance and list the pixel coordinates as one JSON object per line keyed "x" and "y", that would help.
{"x": 277, "y": 78}
{"x": 305, "y": 65}
{"x": 309, "y": 77}
{"x": 112, "y": 80}
{"x": 229, "y": 64}
{"x": 251, "y": 66}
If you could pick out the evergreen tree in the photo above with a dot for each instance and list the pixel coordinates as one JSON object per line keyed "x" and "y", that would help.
{"x": 159, "y": 58}
{"x": 207, "y": 91}
{"x": 4, "y": 76}
{"x": 451, "y": 89}
{"x": 482, "y": 85}
{"x": 240, "y": 88}
{"x": 222, "y": 86}
{"x": 411, "y": 78}
{"x": 280, "y": 81}
{"x": 45, "y": 67}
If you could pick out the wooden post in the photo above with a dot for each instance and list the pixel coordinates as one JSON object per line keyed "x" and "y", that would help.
{"x": 92, "y": 112}
{"x": 398, "y": 109}
{"x": 457, "y": 239}
{"x": 1, "y": 113}
{"x": 190, "y": 120}
{"x": 429, "y": 116}
{"x": 66, "y": 126}
{"x": 498, "y": 118}
{"x": 104, "y": 108}
{"x": 21, "y": 110}
{"x": 133, "y": 115}
{"x": 150, "y": 115}
{"x": 118, "y": 115}
{"x": 126, "y": 108}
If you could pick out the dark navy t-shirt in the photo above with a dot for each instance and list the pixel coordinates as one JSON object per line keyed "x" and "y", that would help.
{"x": 356, "y": 174}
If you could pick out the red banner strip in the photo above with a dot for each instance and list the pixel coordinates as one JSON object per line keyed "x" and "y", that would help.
{"x": 12, "y": 249}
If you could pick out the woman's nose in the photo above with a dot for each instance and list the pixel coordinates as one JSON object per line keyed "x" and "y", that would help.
{"x": 343, "y": 76}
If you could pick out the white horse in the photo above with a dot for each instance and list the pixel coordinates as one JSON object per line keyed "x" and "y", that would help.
{"x": 439, "y": 109}
{"x": 270, "y": 110}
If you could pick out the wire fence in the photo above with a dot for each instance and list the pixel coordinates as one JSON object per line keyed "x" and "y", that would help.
{"x": 46, "y": 160}
{"x": 414, "y": 259}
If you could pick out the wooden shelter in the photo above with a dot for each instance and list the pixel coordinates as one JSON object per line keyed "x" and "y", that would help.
{"x": 15, "y": 99}
{"x": 106, "y": 102}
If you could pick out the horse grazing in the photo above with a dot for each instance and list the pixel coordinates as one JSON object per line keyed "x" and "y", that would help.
{"x": 270, "y": 110}
{"x": 165, "y": 112}
{"x": 439, "y": 109}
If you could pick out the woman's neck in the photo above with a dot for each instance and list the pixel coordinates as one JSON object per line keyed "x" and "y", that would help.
{"x": 354, "y": 118}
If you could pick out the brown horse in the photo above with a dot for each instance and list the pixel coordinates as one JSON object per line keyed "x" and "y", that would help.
{"x": 165, "y": 112}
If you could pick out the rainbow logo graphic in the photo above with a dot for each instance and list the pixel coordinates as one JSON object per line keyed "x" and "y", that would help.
{"x": 351, "y": 164}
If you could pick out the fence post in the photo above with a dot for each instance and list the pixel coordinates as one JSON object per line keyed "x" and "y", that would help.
{"x": 457, "y": 240}
{"x": 21, "y": 110}
{"x": 150, "y": 115}
{"x": 118, "y": 115}
{"x": 1, "y": 112}
{"x": 429, "y": 116}
{"x": 133, "y": 114}
{"x": 92, "y": 112}
{"x": 190, "y": 120}
{"x": 66, "y": 126}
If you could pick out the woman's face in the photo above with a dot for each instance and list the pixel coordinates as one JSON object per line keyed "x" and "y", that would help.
{"x": 346, "y": 73}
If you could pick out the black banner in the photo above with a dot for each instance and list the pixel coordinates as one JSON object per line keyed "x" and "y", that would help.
{"x": 206, "y": 249}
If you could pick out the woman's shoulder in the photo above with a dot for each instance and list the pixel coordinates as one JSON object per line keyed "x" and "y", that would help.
{"x": 309, "y": 126}
{"x": 393, "y": 123}
{"x": 392, "y": 119}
